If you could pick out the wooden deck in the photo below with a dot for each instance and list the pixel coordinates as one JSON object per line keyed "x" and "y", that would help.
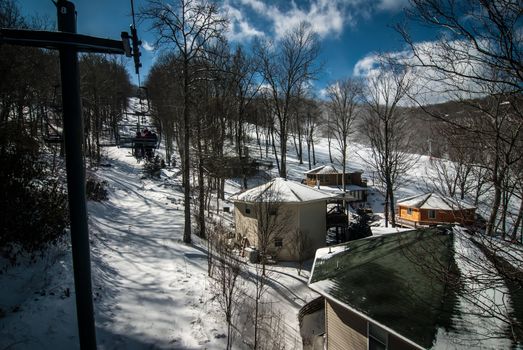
{"x": 418, "y": 224}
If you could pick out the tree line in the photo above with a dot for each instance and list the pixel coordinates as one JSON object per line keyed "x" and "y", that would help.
{"x": 34, "y": 208}
{"x": 212, "y": 98}
{"x": 209, "y": 98}
{"x": 206, "y": 92}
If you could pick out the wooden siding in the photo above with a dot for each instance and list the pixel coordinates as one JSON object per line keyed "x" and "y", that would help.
{"x": 450, "y": 216}
{"x": 345, "y": 329}
{"x": 421, "y": 216}
{"x": 335, "y": 179}
{"x": 404, "y": 214}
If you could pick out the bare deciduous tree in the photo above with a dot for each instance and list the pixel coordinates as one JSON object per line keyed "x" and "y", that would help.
{"x": 272, "y": 223}
{"x": 311, "y": 121}
{"x": 188, "y": 27}
{"x": 286, "y": 67}
{"x": 478, "y": 62}
{"x": 386, "y": 129}
{"x": 300, "y": 246}
{"x": 344, "y": 95}
{"x": 227, "y": 280}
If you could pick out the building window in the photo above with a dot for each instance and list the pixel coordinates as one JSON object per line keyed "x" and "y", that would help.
{"x": 432, "y": 214}
{"x": 378, "y": 338}
{"x": 247, "y": 210}
{"x": 273, "y": 211}
{"x": 278, "y": 242}
{"x": 409, "y": 211}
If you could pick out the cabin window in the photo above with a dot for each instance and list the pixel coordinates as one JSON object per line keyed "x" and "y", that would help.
{"x": 273, "y": 211}
{"x": 432, "y": 214}
{"x": 247, "y": 210}
{"x": 409, "y": 211}
{"x": 378, "y": 338}
{"x": 278, "y": 242}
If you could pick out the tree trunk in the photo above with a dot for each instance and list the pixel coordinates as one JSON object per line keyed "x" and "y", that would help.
{"x": 201, "y": 188}
{"x": 518, "y": 222}
{"x": 386, "y": 209}
{"x": 309, "y": 153}
{"x": 283, "y": 152}
{"x": 494, "y": 209}
{"x": 392, "y": 207}
{"x": 275, "y": 151}
{"x": 300, "y": 146}
{"x": 314, "y": 153}
{"x": 258, "y": 140}
{"x": 186, "y": 160}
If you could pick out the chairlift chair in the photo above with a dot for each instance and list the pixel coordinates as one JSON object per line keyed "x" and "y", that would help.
{"x": 51, "y": 122}
{"x": 127, "y": 133}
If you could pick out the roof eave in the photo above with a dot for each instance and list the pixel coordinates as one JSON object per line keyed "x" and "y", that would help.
{"x": 359, "y": 313}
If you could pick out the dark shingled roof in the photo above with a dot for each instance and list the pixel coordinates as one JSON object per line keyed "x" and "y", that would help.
{"x": 387, "y": 278}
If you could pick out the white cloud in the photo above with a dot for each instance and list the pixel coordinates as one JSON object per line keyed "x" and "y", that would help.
{"x": 240, "y": 29}
{"x": 325, "y": 17}
{"x": 432, "y": 85}
{"x": 323, "y": 93}
{"x": 256, "y": 5}
{"x": 392, "y": 5}
{"x": 146, "y": 46}
{"x": 364, "y": 66}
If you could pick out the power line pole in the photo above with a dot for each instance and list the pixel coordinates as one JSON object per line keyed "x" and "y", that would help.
{"x": 75, "y": 166}
{"x": 69, "y": 43}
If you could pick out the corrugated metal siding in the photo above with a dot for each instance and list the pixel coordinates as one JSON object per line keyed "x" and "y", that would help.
{"x": 345, "y": 330}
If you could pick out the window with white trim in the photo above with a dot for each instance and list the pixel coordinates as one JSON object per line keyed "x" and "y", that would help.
{"x": 378, "y": 337}
{"x": 432, "y": 214}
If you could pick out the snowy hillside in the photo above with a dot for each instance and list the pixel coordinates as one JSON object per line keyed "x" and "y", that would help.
{"x": 150, "y": 289}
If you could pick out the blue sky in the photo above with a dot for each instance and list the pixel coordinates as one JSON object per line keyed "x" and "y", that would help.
{"x": 349, "y": 30}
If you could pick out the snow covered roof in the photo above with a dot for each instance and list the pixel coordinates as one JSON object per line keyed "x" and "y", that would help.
{"x": 386, "y": 279}
{"x": 329, "y": 169}
{"x": 281, "y": 190}
{"x": 434, "y": 201}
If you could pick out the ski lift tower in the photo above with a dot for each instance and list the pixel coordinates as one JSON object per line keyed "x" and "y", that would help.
{"x": 69, "y": 43}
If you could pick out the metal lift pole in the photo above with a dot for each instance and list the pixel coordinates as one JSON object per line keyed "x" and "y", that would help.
{"x": 69, "y": 44}
{"x": 74, "y": 157}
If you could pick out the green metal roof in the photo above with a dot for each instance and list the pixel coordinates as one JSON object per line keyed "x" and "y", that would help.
{"x": 390, "y": 279}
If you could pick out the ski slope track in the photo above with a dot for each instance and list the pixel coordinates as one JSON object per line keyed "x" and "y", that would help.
{"x": 150, "y": 290}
